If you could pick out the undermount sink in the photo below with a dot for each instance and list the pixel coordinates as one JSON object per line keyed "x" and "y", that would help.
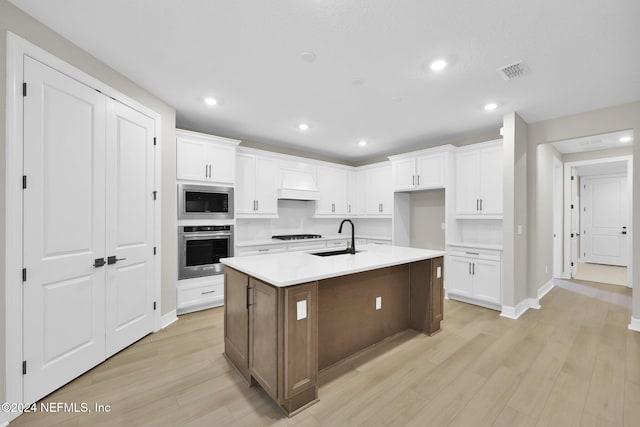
{"x": 332, "y": 253}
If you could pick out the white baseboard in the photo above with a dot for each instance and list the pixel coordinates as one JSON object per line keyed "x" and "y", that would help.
{"x": 7, "y": 417}
{"x": 168, "y": 319}
{"x": 546, "y": 288}
{"x": 517, "y": 311}
{"x": 634, "y": 325}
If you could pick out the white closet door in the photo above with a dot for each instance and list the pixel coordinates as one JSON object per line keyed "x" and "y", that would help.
{"x": 130, "y": 220}
{"x": 64, "y": 213}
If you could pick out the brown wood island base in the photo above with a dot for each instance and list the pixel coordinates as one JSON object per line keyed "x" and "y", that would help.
{"x": 281, "y": 336}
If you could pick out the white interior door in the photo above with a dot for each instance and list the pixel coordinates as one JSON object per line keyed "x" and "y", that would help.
{"x": 575, "y": 223}
{"x": 604, "y": 212}
{"x": 557, "y": 219}
{"x": 130, "y": 220}
{"x": 64, "y": 213}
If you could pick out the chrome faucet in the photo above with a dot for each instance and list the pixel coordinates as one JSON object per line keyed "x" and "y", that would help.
{"x": 352, "y": 250}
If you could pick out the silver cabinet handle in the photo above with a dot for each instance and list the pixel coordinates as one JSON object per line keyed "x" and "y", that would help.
{"x": 257, "y": 204}
{"x": 208, "y": 292}
{"x": 414, "y": 180}
{"x": 473, "y": 269}
{"x": 477, "y": 205}
{"x": 263, "y": 250}
{"x": 349, "y": 208}
{"x": 469, "y": 268}
{"x": 480, "y": 205}
{"x": 333, "y": 207}
{"x": 418, "y": 180}
{"x": 206, "y": 171}
{"x": 472, "y": 253}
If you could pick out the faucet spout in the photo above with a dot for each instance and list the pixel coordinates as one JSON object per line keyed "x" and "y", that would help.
{"x": 352, "y": 250}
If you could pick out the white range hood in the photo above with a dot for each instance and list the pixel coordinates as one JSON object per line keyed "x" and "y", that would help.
{"x": 296, "y": 184}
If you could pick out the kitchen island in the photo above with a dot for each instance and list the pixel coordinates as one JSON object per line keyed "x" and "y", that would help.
{"x": 290, "y": 315}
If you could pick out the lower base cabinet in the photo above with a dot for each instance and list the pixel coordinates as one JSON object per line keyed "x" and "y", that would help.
{"x": 271, "y": 337}
{"x": 474, "y": 276}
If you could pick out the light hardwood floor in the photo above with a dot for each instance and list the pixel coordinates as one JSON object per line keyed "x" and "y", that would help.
{"x": 572, "y": 363}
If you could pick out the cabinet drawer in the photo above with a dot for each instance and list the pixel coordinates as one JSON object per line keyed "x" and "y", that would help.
{"x": 305, "y": 246}
{"x": 474, "y": 253}
{"x": 378, "y": 242}
{"x": 260, "y": 250}
{"x": 199, "y": 294}
{"x": 336, "y": 244}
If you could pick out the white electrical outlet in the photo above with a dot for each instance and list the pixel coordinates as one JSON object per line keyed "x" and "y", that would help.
{"x": 519, "y": 229}
{"x": 378, "y": 303}
{"x": 301, "y": 307}
{"x": 438, "y": 272}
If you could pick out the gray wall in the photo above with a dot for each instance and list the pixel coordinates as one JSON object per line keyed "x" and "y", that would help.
{"x": 617, "y": 118}
{"x": 16, "y": 21}
{"x": 427, "y": 215}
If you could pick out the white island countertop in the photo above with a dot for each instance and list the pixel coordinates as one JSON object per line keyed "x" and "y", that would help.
{"x": 293, "y": 268}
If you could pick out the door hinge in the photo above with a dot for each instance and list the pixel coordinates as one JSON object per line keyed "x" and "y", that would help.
{"x": 24, "y": 89}
{"x": 154, "y": 141}
{"x": 572, "y": 178}
{"x": 154, "y": 250}
{"x": 584, "y": 254}
{"x": 24, "y": 274}
{"x": 571, "y": 234}
{"x": 571, "y": 206}
{"x": 571, "y": 264}
{"x": 24, "y": 367}
{"x": 154, "y": 305}
{"x": 155, "y": 195}
{"x": 24, "y": 182}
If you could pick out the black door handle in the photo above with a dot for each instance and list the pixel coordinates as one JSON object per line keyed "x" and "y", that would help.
{"x": 98, "y": 262}
{"x": 112, "y": 260}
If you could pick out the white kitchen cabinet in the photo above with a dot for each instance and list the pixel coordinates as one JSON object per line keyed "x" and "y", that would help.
{"x": 421, "y": 171}
{"x": 199, "y": 293}
{"x": 355, "y": 191}
{"x": 479, "y": 181}
{"x": 474, "y": 276}
{"x": 205, "y": 158}
{"x": 333, "y": 186}
{"x": 256, "y": 191}
{"x": 378, "y": 192}
{"x": 261, "y": 249}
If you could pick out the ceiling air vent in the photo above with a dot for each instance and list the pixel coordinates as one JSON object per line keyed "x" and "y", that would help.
{"x": 512, "y": 71}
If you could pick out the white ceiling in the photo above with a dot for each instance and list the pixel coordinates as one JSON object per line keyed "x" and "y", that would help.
{"x": 582, "y": 55}
{"x": 595, "y": 142}
{"x": 608, "y": 168}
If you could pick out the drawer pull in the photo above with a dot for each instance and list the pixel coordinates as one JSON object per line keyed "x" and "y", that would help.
{"x": 208, "y": 292}
{"x": 263, "y": 250}
{"x": 472, "y": 253}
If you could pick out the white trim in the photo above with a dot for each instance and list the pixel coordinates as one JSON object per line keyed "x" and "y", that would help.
{"x": 546, "y": 288}
{"x": 5, "y": 418}
{"x": 634, "y": 324}
{"x": 474, "y": 301}
{"x": 17, "y": 49}
{"x": 517, "y": 311}
{"x": 168, "y": 318}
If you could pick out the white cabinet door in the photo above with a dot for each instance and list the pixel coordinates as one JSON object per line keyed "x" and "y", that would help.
{"x": 266, "y": 191}
{"x": 245, "y": 184}
{"x": 129, "y": 225}
{"x": 430, "y": 171}
{"x": 491, "y": 181}
{"x": 64, "y": 214}
{"x": 378, "y": 191}
{"x": 221, "y": 164}
{"x": 354, "y": 194}
{"x": 192, "y": 160}
{"x": 486, "y": 280}
{"x": 459, "y": 279}
{"x": 332, "y": 183}
{"x": 404, "y": 174}
{"x": 467, "y": 183}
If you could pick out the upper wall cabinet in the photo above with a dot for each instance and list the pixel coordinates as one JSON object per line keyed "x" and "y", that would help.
{"x": 256, "y": 191}
{"x": 205, "y": 158}
{"x": 378, "y": 191}
{"x": 333, "y": 186}
{"x": 479, "y": 181}
{"x": 421, "y": 170}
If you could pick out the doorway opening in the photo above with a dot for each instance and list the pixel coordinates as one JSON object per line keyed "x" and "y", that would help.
{"x": 594, "y": 209}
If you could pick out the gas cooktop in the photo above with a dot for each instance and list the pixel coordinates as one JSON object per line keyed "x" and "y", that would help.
{"x": 297, "y": 236}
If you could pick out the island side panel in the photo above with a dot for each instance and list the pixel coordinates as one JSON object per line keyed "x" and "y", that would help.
{"x": 427, "y": 295}
{"x": 347, "y": 317}
{"x": 236, "y": 320}
{"x": 300, "y": 346}
{"x": 263, "y": 335}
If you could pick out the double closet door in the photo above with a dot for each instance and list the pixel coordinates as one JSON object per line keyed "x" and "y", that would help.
{"x": 88, "y": 217}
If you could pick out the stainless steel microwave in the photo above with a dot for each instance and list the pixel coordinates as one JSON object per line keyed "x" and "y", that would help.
{"x": 204, "y": 202}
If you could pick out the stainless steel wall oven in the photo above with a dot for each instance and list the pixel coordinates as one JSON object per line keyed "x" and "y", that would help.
{"x": 204, "y": 202}
{"x": 201, "y": 247}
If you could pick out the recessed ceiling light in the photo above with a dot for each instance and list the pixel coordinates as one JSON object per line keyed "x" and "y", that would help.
{"x": 303, "y": 126}
{"x": 438, "y": 65}
{"x": 625, "y": 139}
{"x": 362, "y": 143}
{"x": 491, "y": 106}
{"x": 210, "y": 101}
{"x": 308, "y": 56}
